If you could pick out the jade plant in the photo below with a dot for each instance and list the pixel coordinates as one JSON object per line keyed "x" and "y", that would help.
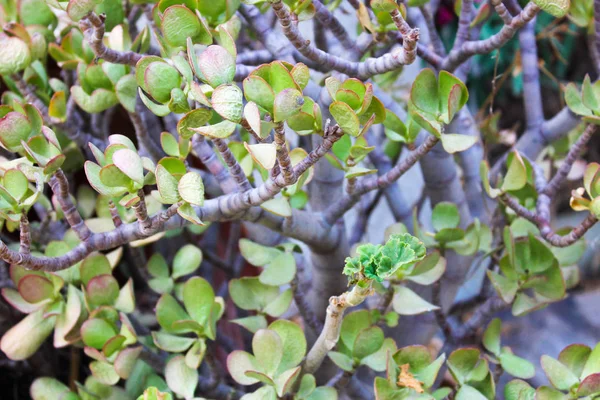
{"x": 199, "y": 200}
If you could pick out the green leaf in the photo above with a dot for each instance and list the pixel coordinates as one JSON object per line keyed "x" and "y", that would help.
{"x": 49, "y": 388}
{"x": 99, "y": 100}
{"x": 279, "y": 206}
{"x": 574, "y": 102}
{"x": 407, "y": 302}
{"x": 463, "y": 362}
{"x": 104, "y": 373}
{"x": 518, "y": 390}
{"x": 517, "y": 366}
{"x": 130, "y": 163}
{"x": 14, "y": 128}
{"x": 78, "y": 9}
{"x": 257, "y": 90}
{"x": 182, "y": 380}
{"x": 455, "y": 143}
{"x": 238, "y": 362}
{"x": 453, "y": 95}
{"x": 516, "y": 177}
{"x": 102, "y": 290}
{"x": 445, "y": 215}
{"x": 424, "y": 92}
{"x": 221, "y": 130}
{"x": 592, "y": 365}
{"x": 198, "y": 297}
{"x": 491, "y": 336}
{"x": 265, "y": 154}
{"x": 558, "y": 374}
{"x": 252, "y": 323}
{"x": 345, "y": 117}
{"x": 95, "y": 264}
{"x": 58, "y": 106}
{"x": 96, "y": 332}
{"x": 227, "y": 102}
{"x": 160, "y": 79}
{"x": 557, "y": 8}
{"x": 217, "y": 65}
{"x": 167, "y": 185}
{"x": 294, "y": 343}
{"x": 179, "y": 22}
{"x": 126, "y": 91}
{"x": 168, "y": 311}
{"x": 24, "y": 338}
{"x": 191, "y": 188}
{"x": 256, "y": 254}
{"x": 267, "y": 348}
{"x": 467, "y": 392}
{"x": 287, "y": 103}
{"x": 590, "y": 385}
{"x": 341, "y": 360}
{"x": 194, "y": 119}
{"x": 279, "y": 271}
{"x": 187, "y": 260}
{"x": 378, "y": 360}
{"x": 574, "y": 357}
{"x": 429, "y": 270}
{"x": 278, "y": 306}
{"x": 506, "y": 288}
{"x": 367, "y": 342}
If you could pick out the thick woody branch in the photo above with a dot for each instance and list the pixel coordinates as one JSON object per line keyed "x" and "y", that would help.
{"x": 93, "y": 26}
{"x": 464, "y": 23}
{"x": 470, "y": 48}
{"x": 301, "y": 226}
{"x": 331, "y": 329}
{"x": 60, "y": 187}
{"x": 339, "y": 208}
{"x": 283, "y": 157}
{"x": 532, "y": 94}
{"x": 329, "y": 21}
{"x": 254, "y": 57}
{"x": 482, "y": 315}
{"x": 363, "y": 70}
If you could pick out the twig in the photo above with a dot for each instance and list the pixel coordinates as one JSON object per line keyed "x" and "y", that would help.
{"x": 340, "y": 207}
{"x": 363, "y": 70}
{"x": 234, "y": 167}
{"x": 470, "y": 48}
{"x": 60, "y": 187}
{"x": 25, "y": 234}
{"x": 143, "y": 136}
{"x": 141, "y": 212}
{"x": 574, "y": 152}
{"x": 114, "y": 214}
{"x": 333, "y": 323}
{"x": 283, "y": 157}
{"x": 329, "y": 21}
{"x": 93, "y": 26}
{"x": 210, "y": 160}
